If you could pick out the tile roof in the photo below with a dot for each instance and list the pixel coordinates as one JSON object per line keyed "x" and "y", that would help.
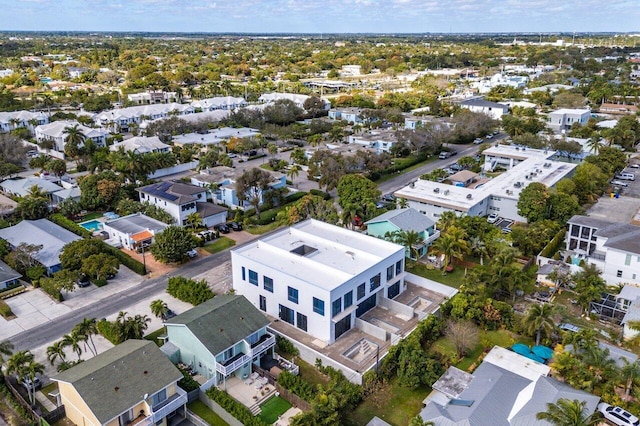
{"x": 221, "y": 322}
{"x": 116, "y": 380}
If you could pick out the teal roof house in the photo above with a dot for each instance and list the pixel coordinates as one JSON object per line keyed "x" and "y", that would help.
{"x": 405, "y": 220}
{"x": 219, "y": 338}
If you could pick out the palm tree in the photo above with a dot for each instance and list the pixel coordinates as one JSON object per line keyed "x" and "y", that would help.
{"x": 73, "y": 340}
{"x": 56, "y": 351}
{"x": 30, "y": 370}
{"x": 88, "y": 327}
{"x": 73, "y": 139}
{"x": 193, "y": 219}
{"x": 22, "y": 364}
{"x": 630, "y": 373}
{"x": 403, "y": 203}
{"x": 446, "y": 220}
{"x": 452, "y": 244}
{"x": 159, "y": 308}
{"x": 410, "y": 240}
{"x": 539, "y": 320}
{"x": 600, "y": 363}
{"x": 294, "y": 172}
{"x": 595, "y": 143}
{"x": 478, "y": 247}
{"x": 6, "y": 349}
{"x": 350, "y": 213}
{"x": 567, "y": 412}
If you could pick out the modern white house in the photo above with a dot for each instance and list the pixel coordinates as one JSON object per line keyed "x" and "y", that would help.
{"x": 122, "y": 118}
{"x": 222, "y": 181}
{"x": 21, "y": 119}
{"x": 134, "y": 230}
{"x": 141, "y": 145}
{"x": 492, "y": 109}
{"x": 613, "y": 247}
{"x": 219, "y": 338}
{"x": 350, "y": 115}
{"x": 220, "y": 102}
{"x": 563, "y": 119}
{"x": 152, "y": 97}
{"x": 318, "y": 277}
{"x": 55, "y": 132}
{"x": 215, "y": 136}
{"x": 378, "y": 140}
{"x": 182, "y": 199}
{"x": 484, "y": 195}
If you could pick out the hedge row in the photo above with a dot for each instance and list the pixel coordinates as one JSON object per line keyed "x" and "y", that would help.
{"x": 400, "y": 165}
{"x": 233, "y": 407}
{"x": 297, "y": 385}
{"x": 5, "y": 310}
{"x": 109, "y": 331}
{"x": 552, "y": 247}
{"x": 69, "y": 225}
{"x": 125, "y": 259}
{"x": 320, "y": 193}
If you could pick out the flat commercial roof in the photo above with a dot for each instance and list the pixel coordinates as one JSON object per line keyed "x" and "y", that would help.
{"x": 320, "y": 254}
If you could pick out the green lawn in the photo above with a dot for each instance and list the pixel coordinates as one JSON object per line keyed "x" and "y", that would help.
{"x": 273, "y": 408}
{"x": 206, "y": 414}
{"x": 154, "y": 335}
{"x": 220, "y": 244}
{"x": 91, "y": 216}
{"x": 263, "y": 229}
{"x": 453, "y": 279}
{"x": 394, "y": 404}
{"x": 311, "y": 374}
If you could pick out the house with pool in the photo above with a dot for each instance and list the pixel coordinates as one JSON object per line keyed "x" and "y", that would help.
{"x": 133, "y": 231}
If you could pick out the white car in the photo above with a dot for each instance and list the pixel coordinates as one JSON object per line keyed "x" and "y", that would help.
{"x": 192, "y": 253}
{"x": 619, "y": 183}
{"x": 492, "y": 218}
{"x": 617, "y": 415}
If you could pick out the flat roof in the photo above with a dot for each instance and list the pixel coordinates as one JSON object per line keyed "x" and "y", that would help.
{"x": 515, "y": 363}
{"x": 534, "y": 167}
{"x": 318, "y": 253}
{"x": 215, "y": 136}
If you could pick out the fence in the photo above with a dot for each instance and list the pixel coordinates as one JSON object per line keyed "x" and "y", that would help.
{"x": 25, "y": 404}
{"x": 293, "y": 399}
{"x": 224, "y": 415}
{"x": 55, "y": 415}
{"x": 195, "y": 419}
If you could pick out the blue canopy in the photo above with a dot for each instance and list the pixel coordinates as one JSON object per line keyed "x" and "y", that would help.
{"x": 542, "y": 351}
{"x": 534, "y": 357}
{"x": 521, "y": 348}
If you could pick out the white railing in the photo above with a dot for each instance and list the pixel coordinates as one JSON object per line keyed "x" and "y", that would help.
{"x": 228, "y": 369}
{"x": 177, "y": 400}
{"x": 270, "y": 342}
{"x": 432, "y": 237}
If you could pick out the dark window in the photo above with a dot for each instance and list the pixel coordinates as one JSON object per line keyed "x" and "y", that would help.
{"x": 619, "y": 274}
{"x": 393, "y": 290}
{"x": 374, "y": 282}
{"x": 336, "y": 307}
{"x": 390, "y": 273}
{"x": 342, "y": 326}
{"x": 253, "y": 277}
{"x": 287, "y": 314}
{"x": 398, "y": 267}
{"x": 263, "y": 303}
{"x": 293, "y": 294}
{"x": 244, "y": 274}
{"x": 302, "y": 321}
{"x": 318, "y": 306}
{"x": 268, "y": 284}
{"x": 360, "y": 291}
{"x": 348, "y": 299}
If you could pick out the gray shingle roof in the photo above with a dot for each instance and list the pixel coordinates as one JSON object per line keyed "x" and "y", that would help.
{"x": 6, "y": 273}
{"x": 40, "y": 232}
{"x": 406, "y": 219}
{"x": 116, "y": 380}
{"x": 176, "y": 192}
{"x": 136, "y": 223}
{"x": 484, "y": 103}
{"x": 221, "y": 322}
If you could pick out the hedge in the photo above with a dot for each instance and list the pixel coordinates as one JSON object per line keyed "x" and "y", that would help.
{"x": 552, "y": 247}
{"x": 320, "y": 193}
{"x": 187, "y": 383}
{"x": 233, "y": 407}
{"x": 125, "y": 259}
{"x": 190, "y": 291}
{"x": 294, "y": 197}
{"x": 5, "y": 310}
{"x": 297, "y": 385}
{"x": 109, "y": 331}
{"x": 69, "y": 225}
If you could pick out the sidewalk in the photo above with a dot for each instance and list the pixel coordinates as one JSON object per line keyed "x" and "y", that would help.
{"x": 45, "y": 402}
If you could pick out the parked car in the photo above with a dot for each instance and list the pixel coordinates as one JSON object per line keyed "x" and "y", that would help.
{"x": 389, "y": 198}
{"x": 626, "y": 176}
{"x": 634, "y": 166}
{"x": 444, "y": 155}
{"x": 617, "y": 415}
{"x": 492, "y": 218}
{"x": 478, "y": 141}
{"x": 223, "y": 228}
{"x": 619, "y": 183}
{"x": 83, "y": 281}
{"x": 236, "y": 226}
{"x": 169, "y": 314}
{"x": 496, "y": 132}
{"x": 192, "y": 253}
{"x": 489, "y": 137}
{"x": 569, "y": 327}
{"x": 31, "y": 385}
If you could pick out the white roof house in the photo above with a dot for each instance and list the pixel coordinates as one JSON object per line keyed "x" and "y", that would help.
{"x": 22, "y": 186}
{"x": 141, "y": 145}
{"x": 497, "y": 195}
{"x": 56, "y": 133}
{"x": 16, "y": 119}
{"x": 124, "y": 117}
{"x": 562, "y": 119}
{"x": 52, "y": 237}
{"x": 222, "y": 102}
{"x": 133, "y": 230}
{"x": 215, "y": 136}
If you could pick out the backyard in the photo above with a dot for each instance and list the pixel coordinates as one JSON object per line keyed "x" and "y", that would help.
{"x": 206, "y": 414}
{"x": 452, "y": 279}
{"x": 273, "y": 408}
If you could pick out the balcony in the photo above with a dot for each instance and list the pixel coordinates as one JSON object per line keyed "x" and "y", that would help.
{"x": 432, "y": 237}
{"x": 232, "y": 364}
{"x": 598, "y": 255}
{"x": 263, "y": 344}
{"x": 169, "y": 405}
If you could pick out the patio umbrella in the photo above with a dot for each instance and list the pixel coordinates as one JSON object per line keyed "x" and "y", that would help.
{"x": 542, "y": 351}
{"x": 521, "y": 348}
{"x": 534, "y": 357}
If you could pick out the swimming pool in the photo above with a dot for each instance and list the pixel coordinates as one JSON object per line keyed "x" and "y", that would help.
{"x": 92, "y": 225}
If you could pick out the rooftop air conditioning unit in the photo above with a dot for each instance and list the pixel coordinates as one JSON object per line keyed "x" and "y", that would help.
{"x": 446, "y": 192}
{"x": 436, "y": 190}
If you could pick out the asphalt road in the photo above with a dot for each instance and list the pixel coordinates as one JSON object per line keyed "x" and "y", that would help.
{"x": 117, "y": 302}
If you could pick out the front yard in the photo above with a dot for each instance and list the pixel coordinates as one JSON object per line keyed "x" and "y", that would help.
{"x": 452, "y": 279}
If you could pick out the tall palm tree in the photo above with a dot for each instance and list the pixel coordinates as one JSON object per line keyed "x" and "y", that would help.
{"x": 193, "y": 220}
{"x": 56, "y": 351}
{"x": 159, "y": 308}
{"x": 6, "y": 349}
{"x": 88, "y": 327}
{"x": 30, "y": 370}
{"x": 294, "y": 172}
{"x": 410, "y": 240}
{"x": 630, "y": 374}
{"x": 600, "y": 363}
{"x": 478, "y": 247}
{"x": 452, "y": 244}
{"x": 595, "y": 143}
{"x": 73, "y": 340}
{"x": 73, "y": 139}
{"x": 22, "y": 364}
{"x": 403, "y": 203}
{"x": 446, "y": 220}
{"x": 539, "y": 320}
{"x": 568, "y": 412}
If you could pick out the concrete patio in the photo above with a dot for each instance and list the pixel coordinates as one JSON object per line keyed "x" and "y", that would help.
{"x": 250, "y": 392}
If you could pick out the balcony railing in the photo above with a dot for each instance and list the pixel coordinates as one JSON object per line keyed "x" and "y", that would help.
{"x": 233, "y": 366}
{"x": 269, "y": 343}
{"x": 169, "y": 405}
{"x": 597, "y": 255}
{"x": 432, "y": 237}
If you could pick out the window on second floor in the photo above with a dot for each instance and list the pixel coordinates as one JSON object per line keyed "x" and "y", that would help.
{"x": 268, "y": 284}
{"x": 348, "y": 299}
{"x": 390, "y": 273}
{"x": 374, "y": 282}
{"x": 398, "y": 267}
{"x": 336, "y": 307}
{"x": 244, "y": 274}
{"x": 361, "y": 291}
{"x": 318, "y": 306}
{"x": 292, "y": 294}
{"x": 253, "y": 277}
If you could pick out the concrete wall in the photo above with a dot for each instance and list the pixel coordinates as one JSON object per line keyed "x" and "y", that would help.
{"x": 173, "y": 170}
{"x": 372, "y": 330}
{"x": 397, "y": 307}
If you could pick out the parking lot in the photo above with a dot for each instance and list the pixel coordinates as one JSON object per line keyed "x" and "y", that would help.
{"x": 622, "y": 209}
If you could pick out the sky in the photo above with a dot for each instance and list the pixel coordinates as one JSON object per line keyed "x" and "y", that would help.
{"x": 322, "y": 16}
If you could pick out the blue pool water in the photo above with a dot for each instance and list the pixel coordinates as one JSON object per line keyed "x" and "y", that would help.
{"x": 91, "y": 225}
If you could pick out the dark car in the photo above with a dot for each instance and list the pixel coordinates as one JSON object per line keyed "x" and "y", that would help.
{"x": 223, "y": 228}
{"x": 83, "y": 281}
{"x": 168, "y": 315}
{"x": 236, "y": 226}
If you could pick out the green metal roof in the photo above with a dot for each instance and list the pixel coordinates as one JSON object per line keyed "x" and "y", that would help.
{"x": 114, "y": 381}
{"x": 221, "y": 322}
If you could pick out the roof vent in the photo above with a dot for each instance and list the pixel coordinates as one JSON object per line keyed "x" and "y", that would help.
{"x": 436, "y": 190}
{"x": 145, "y": 372}
{"x": 116, "y": 389}
{"x": 446, "y": 192}
{"x": 469, "y": 196}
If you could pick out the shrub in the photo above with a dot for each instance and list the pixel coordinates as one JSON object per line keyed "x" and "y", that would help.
{"x": 187, "y": 383}
{"x": 552, "y": 248}
{"x": 5, "y": 310}
{"x": 69, "y": 225}
{"x": 319, "y": 193}
{"x": 109, "y": 331}
{"x": 294, "y": 197}
{"x": 297, "y": 385}
{"x": 190, "y": 291}
{"x": 284, "y": 345}
{"x": 52, "y": 288}
{"x": 100, "y": 282}
{"x": 234, "y": 408}
{"x": 126, "y": 260}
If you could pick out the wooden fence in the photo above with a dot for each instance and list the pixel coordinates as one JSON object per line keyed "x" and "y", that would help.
{"x": 293, "y": 399}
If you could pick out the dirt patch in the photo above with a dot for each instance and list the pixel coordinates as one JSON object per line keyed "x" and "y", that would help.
{"x": 154, "y": 267}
